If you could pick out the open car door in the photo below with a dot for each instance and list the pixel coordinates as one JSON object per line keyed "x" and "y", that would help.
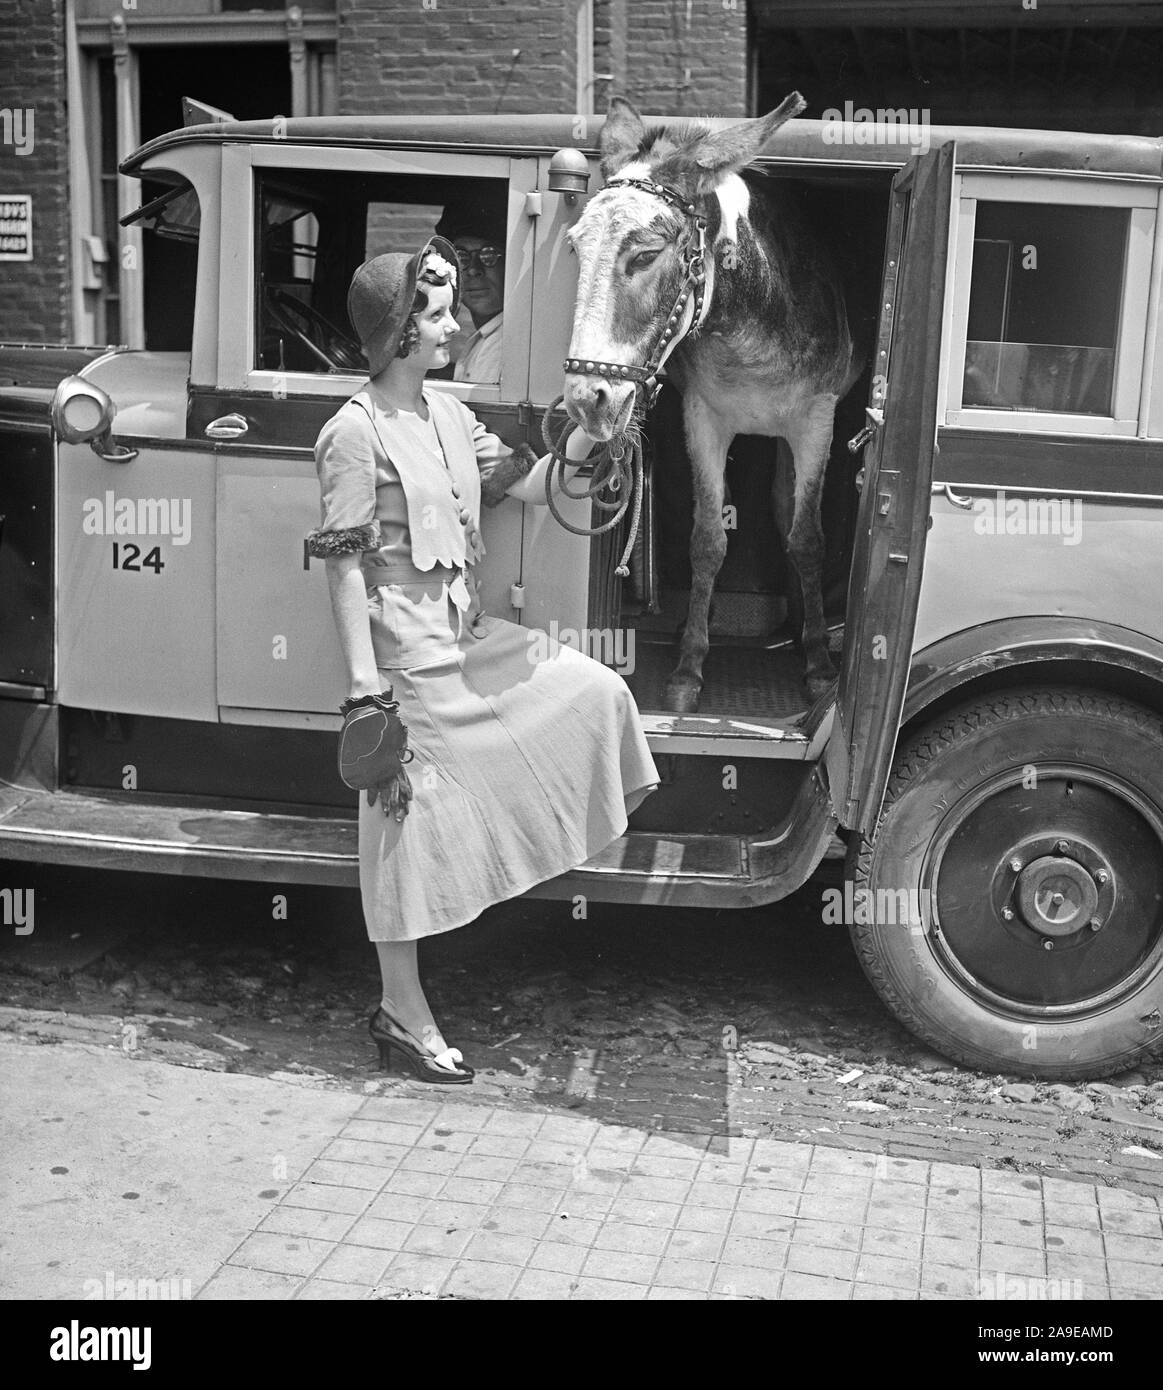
{"x": 885, "y": 581}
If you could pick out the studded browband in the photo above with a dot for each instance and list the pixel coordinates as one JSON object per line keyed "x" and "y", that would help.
{"x": 694, "y": 278}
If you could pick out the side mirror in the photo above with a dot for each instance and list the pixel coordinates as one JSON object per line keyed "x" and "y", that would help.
{"x": 569, "y": 173}
{"x": 83, "y": 414}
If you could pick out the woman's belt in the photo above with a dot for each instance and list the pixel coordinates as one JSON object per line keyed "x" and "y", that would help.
{"x": 404, "y": 572}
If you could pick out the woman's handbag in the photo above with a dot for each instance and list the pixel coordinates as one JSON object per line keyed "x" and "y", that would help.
{"x": 373, "y": 748}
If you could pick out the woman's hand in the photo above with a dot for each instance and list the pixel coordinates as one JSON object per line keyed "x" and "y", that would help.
{"x": 531, "y": 488}
{"x": 373, "y": 752}
{"x": 578, "y": 445}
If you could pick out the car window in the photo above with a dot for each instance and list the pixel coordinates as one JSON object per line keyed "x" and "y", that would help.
{"x": 1044, "y": 303}
{"x": 315, "y": 228}
{"x": 170, "y": 219}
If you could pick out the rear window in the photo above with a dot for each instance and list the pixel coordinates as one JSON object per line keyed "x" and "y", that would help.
{"x": 1045, "y": 297}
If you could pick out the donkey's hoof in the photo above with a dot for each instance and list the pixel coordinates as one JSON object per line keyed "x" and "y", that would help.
{"x": 682, "y": 696}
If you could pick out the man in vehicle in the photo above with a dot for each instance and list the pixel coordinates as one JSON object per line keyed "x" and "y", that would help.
{"x": 476, "y": 229}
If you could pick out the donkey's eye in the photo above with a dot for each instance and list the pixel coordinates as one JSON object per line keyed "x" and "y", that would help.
{"x": 644, "y": 258}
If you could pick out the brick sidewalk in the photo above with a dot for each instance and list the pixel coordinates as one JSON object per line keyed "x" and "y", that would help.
{"x": 431, "y": 1198}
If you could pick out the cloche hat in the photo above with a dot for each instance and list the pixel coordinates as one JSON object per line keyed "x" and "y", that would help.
{"x": 382, "y": 293}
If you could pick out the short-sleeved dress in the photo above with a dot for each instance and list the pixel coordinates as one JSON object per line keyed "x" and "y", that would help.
{"x": 529, "y": 755}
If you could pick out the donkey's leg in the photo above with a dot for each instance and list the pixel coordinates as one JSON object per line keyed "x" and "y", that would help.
{"x": 707, "y": 440}
{"x": 783, "y": 483}
{"x": 811, "y": 441}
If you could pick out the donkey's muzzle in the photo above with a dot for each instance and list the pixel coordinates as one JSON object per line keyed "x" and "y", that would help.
{"x": 600, "y": 406}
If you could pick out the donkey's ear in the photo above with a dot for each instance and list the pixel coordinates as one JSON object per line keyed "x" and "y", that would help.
{"x": 732, "y": 149}
{"x": 621, "y": 136}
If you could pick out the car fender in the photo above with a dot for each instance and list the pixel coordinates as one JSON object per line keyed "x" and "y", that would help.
{"x": 966, "y": 658}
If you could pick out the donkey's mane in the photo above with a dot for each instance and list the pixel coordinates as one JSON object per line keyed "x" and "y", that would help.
{"x": 662, "y": 141}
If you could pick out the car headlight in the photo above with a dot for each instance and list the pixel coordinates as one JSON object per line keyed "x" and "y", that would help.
{"x": 81, "y": 411}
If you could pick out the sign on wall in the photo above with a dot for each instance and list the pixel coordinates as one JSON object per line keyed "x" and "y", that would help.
{"x": 15, "y": 227}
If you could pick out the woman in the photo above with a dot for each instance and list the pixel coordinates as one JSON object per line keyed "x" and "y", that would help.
{"x": 523, "y": 767}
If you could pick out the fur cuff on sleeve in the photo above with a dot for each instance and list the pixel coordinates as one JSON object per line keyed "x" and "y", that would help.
{"x": 350, "y": 541}
{"x": 503, "y": 474}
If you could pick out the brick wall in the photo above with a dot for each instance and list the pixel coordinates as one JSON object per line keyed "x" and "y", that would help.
{"x": 457, "y": 57}
{"x": 34, "y": 295}
{"x": 686, "y": 59}
{"x": 665, "y": 55}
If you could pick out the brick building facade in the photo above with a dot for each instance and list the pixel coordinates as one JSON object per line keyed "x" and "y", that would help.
{"x": 102, "y": 76}
{"x": 692, "y": 59}
{"x": 125, "y": 64}
{"x": 34, "y": 295}
{"x": 490, "y": 56}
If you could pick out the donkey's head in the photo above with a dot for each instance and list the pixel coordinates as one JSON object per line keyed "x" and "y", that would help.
{"x": 631, "y": 246}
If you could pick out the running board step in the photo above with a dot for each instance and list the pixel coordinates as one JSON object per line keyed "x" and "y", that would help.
{"x": 102, "y": 832}
{"x": 109, "y": 833}
{"x": 711, "y": 734}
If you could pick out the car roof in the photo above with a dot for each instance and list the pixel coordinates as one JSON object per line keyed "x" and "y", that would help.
{"x": 801, "y": 141}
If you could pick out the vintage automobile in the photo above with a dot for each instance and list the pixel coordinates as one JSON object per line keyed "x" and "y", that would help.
{"x": 991, "y": 760}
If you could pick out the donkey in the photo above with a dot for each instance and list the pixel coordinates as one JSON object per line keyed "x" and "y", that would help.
{"x": 762, "y": 346}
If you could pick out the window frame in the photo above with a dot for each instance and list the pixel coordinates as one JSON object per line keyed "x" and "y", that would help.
{"x": 1133, "y": 352}
{"x": 241, "y": 165}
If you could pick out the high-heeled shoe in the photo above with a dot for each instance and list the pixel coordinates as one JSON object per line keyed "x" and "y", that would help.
{"x": 391, "y": 1036}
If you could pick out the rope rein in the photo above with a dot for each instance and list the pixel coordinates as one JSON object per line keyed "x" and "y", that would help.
{"x": 618, "y": 466}
{"x": 617, "y": 469}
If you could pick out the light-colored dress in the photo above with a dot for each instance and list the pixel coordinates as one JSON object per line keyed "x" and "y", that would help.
{"x": 529, "y": 755}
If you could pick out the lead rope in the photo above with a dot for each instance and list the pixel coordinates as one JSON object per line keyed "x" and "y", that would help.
{"x": 617, "y": 467}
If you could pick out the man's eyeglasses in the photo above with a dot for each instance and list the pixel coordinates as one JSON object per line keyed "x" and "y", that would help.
{"x": 486, "y": 257}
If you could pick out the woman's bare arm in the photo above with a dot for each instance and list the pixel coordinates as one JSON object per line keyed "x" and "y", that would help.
{"x": 349, "y": 609}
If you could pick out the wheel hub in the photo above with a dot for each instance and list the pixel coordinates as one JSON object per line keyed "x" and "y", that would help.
{"x": 1051, "y": 921}
{"x": 1056, "y": 896}
{"x": 1056, "y": 886}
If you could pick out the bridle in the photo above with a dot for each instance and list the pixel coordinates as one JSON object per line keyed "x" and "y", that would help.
{"x": 611, "y": 468}
{"x": 694, "y": 281}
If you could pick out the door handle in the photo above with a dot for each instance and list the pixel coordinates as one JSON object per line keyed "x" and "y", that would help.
{"x": 875, "y": 418}
{"x": 937, "y": 489}
{"x": 231, "y": 426}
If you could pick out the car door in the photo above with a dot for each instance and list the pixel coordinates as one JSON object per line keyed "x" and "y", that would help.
{"x": 278, "y": 657}
{"x": 885, "y": 581}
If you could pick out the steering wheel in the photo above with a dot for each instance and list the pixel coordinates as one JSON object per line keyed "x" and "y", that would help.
{"x": 328, "y": 344}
